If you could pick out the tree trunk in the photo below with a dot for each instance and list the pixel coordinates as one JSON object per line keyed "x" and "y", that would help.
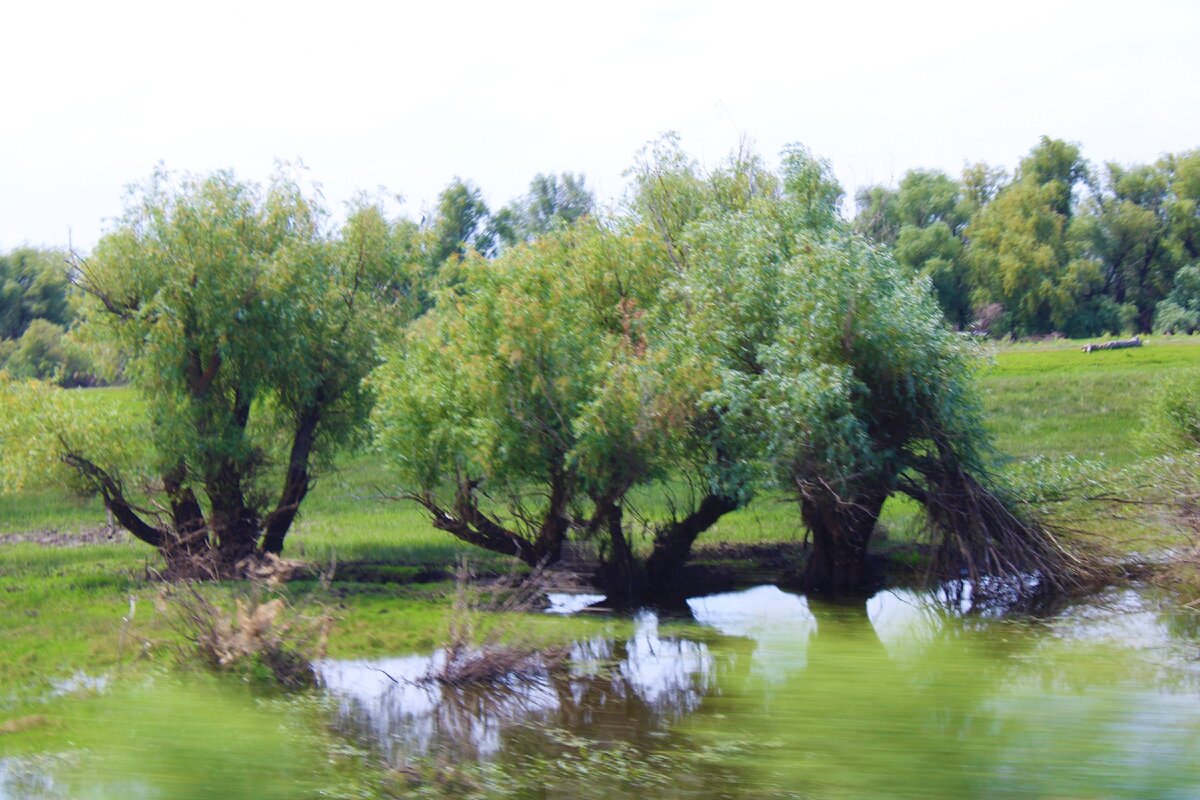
{"x": 620, "y": 573}
{"x": 673, "y": 542}
{"x": 235, "y": 525}
{"x": 190, "y": 532}
{"x": 553, "y": 530}
{"x": 295, "y": 485}
{"x": 841, "y": 530}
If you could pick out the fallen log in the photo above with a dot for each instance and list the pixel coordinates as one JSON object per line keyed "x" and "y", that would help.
{"x": 1116, "y": 344}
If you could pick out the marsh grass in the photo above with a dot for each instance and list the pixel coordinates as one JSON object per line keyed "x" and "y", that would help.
{"x": 255, "y": 634}
{"x": 486, "y": 640}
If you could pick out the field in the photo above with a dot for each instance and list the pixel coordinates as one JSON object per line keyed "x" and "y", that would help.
{"x": 61, "y": 607}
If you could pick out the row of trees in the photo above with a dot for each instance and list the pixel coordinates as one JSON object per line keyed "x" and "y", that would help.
{"x": 728, "y": 335}
{"x": 723, "y": 334}
{"x": 1058, "y": 246}
{"x": 37, "y": 306}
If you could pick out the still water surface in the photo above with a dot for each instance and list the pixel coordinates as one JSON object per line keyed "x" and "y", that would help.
{"x": 756, "y": 693}
{"x": 766, "y": 693}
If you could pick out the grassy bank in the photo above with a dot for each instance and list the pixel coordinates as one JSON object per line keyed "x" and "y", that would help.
{"x": 1053, "y": 400}
{"x": 61, "y": 607}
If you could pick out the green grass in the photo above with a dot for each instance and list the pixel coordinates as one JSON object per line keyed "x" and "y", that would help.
{"x": 1053, "y": 400}
{"x": 61, "y": 608}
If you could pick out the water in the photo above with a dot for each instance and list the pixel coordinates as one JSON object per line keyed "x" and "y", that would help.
{"x": 756, "y": 693}
{"x": 767, "y": 693}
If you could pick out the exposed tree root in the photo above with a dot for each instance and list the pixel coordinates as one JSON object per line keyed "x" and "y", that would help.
{"x": 978, "y": 535}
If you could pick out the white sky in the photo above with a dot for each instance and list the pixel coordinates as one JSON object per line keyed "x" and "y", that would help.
{"x": 94, "y": 94}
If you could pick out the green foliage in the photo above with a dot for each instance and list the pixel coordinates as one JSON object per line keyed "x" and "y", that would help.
{"x": 552, "y": 201}
{"x": 980, "y": 185}
{"x": 247, "y": 326}
{"x": 1180, "y": 311}
{"x": 224, "y": 297}
{"x": 667, "y": 193}
{"x": 1055, "y": 250}
{"x": 46, "y": 352}
{"x": 927, "y": 197}
{"x": 1022, "y": 253}
{"x": 923, "y": 221}
{"x": 732, "y": 332}
{"x": 877, "y": 218}
{"x": 41, "y": 422}
{"x": 813, "y": 192}
{"x": 1128, "y": 228}
{"x": 534, "y": 368}
{"x": 38, "y": 353}
{"x": 33, "y": 285}
{"x": 459, "y": 224}
{"x": 831, "y": 358}
{"x": 1058, "y": 166}
{"x": 936, "y": 253}
{"x": 1173, "y": 417}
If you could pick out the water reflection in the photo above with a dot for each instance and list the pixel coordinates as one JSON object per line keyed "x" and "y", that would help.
{"x": 623, "y": 689}
{"x": 894, "y": 696}
{"x": 762, "y": 693}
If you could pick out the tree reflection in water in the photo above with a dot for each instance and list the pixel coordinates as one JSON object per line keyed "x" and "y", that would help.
{"x": 773, "y": 693}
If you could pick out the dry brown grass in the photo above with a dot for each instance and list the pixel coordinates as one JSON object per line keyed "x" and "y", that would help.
{"x": 257, "y": 635}
{"x": 485, "y": 641}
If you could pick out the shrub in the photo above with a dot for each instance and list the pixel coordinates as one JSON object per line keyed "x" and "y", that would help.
{"x": 46, "y": 352}
{"x": 257, "y": 636}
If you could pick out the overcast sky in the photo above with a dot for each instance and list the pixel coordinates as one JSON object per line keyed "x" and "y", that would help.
{"x": 370, "y": 95}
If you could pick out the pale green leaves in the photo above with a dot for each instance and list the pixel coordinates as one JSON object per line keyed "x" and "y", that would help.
{"x": 40, "y": 423}
{"x": 540, "y": 363}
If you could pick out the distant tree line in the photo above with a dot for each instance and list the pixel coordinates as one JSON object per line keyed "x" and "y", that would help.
{"x": 37, "y": 307}
{"x": 1060, "y": 246}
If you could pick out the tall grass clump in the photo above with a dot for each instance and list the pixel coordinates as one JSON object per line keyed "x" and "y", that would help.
{"x": 255, "y": 635}
{"x": 486, "y": 641}
{"x": 1173, "y": 419}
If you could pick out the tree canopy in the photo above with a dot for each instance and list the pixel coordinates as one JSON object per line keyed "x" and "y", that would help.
{"x": 33, "y": 285}
{"x": 247, "y": 324}
{"x": 729, "y": 333}
{"x": 1062, "y": 247}
{"x": 530, "y": 400}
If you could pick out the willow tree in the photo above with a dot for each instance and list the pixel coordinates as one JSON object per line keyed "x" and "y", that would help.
{"x": 840, "y": 369}
{"x": 550, "y": 383}
{"x": 524, "y": 408}
{"x": 246, "y": 322}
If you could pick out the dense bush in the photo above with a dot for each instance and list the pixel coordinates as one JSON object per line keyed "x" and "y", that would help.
{"x": 47, "y": 352}
{"x": 1180, "y": 312}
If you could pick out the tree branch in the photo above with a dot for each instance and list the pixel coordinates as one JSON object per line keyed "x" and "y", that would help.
{"x": 469, "y": 523}
{"x": 114, "y": 500}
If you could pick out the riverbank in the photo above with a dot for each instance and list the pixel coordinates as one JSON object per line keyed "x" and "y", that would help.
{"x": 65, "y": 580}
